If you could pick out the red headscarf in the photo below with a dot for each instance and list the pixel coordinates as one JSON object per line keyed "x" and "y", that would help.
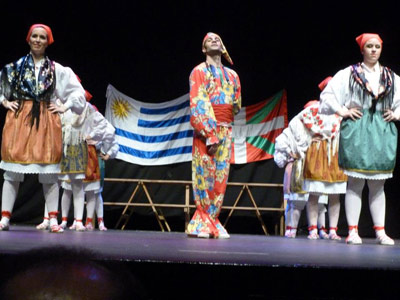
{"x": 324, "y": 83}
{"x": 224, "y": 51}
{"x": 50, "y": 39}
{"x": 88, "y": 96}
{"x": 321, "y": 86}
{"x": 363, "y": 38}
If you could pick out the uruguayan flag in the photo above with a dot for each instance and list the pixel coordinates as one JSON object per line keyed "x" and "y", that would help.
{"x": 150, "y": 133}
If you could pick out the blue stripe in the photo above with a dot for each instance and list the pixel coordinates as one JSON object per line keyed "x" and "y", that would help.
{"x": 154, "y": 139}
{"x": 155, "y": 154}
{"x": 164, "y": 123}
{"x": 161, "y": 111}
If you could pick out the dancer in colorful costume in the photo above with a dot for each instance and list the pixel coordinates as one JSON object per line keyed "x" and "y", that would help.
{"x": 215, "y": 97}
{"x": 106, "y": 149}
{"x": 32, "y": 136}
{"x": 367, "y": 96}
{"x": 311, "y": 141}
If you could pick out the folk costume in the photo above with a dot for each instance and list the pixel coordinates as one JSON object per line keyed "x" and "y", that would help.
{"x": 311, "y": 141}
{"x": 32, "y": 136}
{"x": 215, "y": 97}
{"x": 295, "y": 198}
{"x": 368, "y": 145}
{"x": 108, "y": 146}
{"x": 80, "y": 168}
{"x": 322, "y": 174}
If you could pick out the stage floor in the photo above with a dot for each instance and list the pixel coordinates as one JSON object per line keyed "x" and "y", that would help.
{"x": 239, "y": 250}
{"x": 242, "y": 267}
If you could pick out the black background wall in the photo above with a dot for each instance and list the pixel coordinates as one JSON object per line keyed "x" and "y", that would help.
{"x": 147, "y": 49}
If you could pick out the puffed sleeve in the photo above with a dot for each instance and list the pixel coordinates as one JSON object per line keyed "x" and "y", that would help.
{"x": 396, "y": 96}
{"x": 301, "y": 136}
{"x": 97, "y": 126}
{"x": 335, "y": 94}
{"x": 109, "y": 144}
{"x": 69, "y": 90}
{"x": 282, "y": 148}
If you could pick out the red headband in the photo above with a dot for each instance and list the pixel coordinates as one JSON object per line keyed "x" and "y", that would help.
{"x": 324, "y": 83}
{"x": 224, "y": 51}
{"x": 50, "y": 39}
{"x": 363, "y": 38}
{"x": 88, "y": 96}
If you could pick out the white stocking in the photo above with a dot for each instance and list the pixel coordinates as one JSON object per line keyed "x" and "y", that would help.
{"x": 65, "y": 203}
{"x": 334, "y": 210}
{"x": 353, "y": 200}
{"x": 90, "y": 204}
{"x": 377, "y": 201}
{"x": 99, "y": 205}
{"x": 312, "y": 210}
{"x": 288, "y": 213}
{"x": 51, "y": 194}
{"x": 321, "y": 215}
{"x": 79, "y": 199}
{"x": 297, "y": 208}
{"x": 46, "y": 212}
{"x": 10, "y": 191}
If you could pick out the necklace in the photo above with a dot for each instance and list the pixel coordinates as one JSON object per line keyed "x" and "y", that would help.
{"x": 212, "y": 70}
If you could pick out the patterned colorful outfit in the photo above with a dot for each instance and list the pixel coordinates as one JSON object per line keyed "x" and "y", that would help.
{"x": 79, "y": 159}
{"x": 317, "y": 162}
{"x": 321, "y": 171}
{"x": 80, "y": 167}
{"x": 368, "y": 146}
{"x": 215, "y": 97}
{"x": 32, "y": 139}
{"x": 109, "y": 147}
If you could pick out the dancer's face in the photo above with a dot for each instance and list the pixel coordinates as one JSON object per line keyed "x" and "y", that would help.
{"x": 212, "y": 43}
{"x": 372, "y": 51}
{"x": 38, "y": 41}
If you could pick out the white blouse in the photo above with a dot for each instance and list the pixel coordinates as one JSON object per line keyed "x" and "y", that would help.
{"x": 68, "y": 89}
{"x": 337, "y": 93}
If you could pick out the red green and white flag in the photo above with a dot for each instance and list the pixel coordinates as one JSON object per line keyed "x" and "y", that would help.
{"x": 256, "y": 127}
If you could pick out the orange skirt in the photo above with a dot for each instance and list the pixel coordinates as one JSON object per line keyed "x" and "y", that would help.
{"x": 24, "y": 144}
{"x": 318, "y": 168}
{"x": 93, "y": 169}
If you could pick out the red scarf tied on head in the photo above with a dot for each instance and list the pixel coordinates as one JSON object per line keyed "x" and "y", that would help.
{"x": 363, "y": 38}
{"x": 322, "y": 85}
{"x": 50, "y": 39}
{"x": 224, "y": 51}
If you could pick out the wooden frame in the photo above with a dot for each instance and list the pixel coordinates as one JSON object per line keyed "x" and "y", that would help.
{"x": 186, "y": 206}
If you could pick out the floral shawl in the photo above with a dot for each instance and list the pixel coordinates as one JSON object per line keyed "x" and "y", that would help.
{"x": 18, "y": 82}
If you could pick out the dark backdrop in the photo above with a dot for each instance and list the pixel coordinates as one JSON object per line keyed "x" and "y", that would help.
{"x": 147, "y": 49}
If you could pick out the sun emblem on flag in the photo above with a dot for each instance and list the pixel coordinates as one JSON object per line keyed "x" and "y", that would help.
{"x": 121, "y": 108}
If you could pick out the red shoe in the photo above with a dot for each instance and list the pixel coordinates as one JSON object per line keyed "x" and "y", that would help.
{"x": 56, "y": 229}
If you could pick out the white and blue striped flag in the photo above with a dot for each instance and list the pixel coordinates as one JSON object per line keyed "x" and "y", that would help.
{"x": 150, "y": 133}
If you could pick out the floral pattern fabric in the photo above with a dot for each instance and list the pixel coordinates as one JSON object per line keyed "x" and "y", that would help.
{"x": 215, "y": 97}
{"x": 18, "y": 82}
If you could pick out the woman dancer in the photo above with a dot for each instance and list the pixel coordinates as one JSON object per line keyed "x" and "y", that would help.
{"x": 32, "y": 138}
{"x": 367, "y": 96}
